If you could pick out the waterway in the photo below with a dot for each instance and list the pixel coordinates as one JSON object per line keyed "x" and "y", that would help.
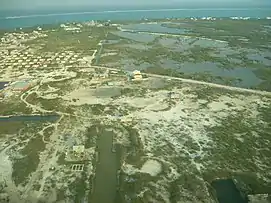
{"x": 105, "y": 182}
{"x": 153, "y": 27}
{"x": 35, "y": 118}
{"x": 227, "y": 192}
{"x": 248, "y": 78}
{"x": 138, "y": 37}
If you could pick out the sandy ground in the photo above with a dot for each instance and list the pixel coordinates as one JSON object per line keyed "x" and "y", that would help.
{"x": 151, "y": 167}
{"x": 159, "y": 126}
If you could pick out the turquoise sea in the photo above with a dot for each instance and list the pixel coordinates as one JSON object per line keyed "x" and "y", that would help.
{"x": 11, "y": 19}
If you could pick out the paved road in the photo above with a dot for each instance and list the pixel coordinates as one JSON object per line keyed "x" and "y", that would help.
{"x": 238, "y": 89}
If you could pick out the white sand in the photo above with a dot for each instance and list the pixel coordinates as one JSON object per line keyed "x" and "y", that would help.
{"x": 151, "y": 167}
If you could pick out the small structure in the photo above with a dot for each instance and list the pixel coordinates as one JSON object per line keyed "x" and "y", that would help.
{"x": 78, "y": 151}
{"x": 173, "y": 95}
{"x": 137, "y": 75}
{"x": 113, "y": 72}
{"x": 77, "y": 167}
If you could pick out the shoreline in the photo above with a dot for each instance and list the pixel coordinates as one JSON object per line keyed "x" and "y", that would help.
{"x": 14, "y": 21}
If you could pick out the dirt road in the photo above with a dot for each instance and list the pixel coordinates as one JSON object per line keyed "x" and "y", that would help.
{"x": 238, "y": 89}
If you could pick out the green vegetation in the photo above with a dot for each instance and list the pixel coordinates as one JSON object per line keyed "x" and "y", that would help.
{"x": 237, "y": 145}
{"x": 61, "y": 40}
{"x": 23, "y": 167}
{"x": 135, "y": 150}
{"x": 265, "y": 75}
{"x": 9, "y": 108}
{"x": 78, "y": 188}
{"x": 47, "y": 133}
{"x": 10, "y": 128}
{"x": 61, "y": 159}
{"x": 226, "y": 142}
{"x": 232, "y": 31}
{"x": 91, "y": 136}
{"x": 239, "y": 38}
{"x": 49, "y": 104}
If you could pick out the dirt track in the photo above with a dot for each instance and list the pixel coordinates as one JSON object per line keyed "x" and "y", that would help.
{"x": 238, "y": 89}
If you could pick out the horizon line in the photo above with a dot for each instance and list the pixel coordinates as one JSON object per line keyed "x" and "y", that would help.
{"x": 129, "y": 11}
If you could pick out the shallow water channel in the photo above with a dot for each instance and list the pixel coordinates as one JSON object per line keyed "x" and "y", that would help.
{"x": 2, "y": 85}
{"x": 153, "y": 27}
{"x": 50, "y": 118}
{"x": 227, "y": 192}
{"x": 105, "y": 182}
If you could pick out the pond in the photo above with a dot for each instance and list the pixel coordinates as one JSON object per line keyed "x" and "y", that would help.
{"x": 51, "y": 118}
{"x": 131, "y": 65}
{"x": 153, "y": 27}
{"x": 185, "y": 43}
{"x": 138, "y": 37}
{"x": 169, "y": 42}
{"x": 249, "y": 79}
{"x": 260, "y": 57}
{"x": 208, "y": 43}
{"x": 227, "y": 192}
{"x": 137, "y": 46}
{"x": 110, "y": 41}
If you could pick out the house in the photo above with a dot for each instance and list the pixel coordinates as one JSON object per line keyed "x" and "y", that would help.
{"x": 137, "y": 75}
{"x": 173, "y": 95}
{"x": 78, "y": 149}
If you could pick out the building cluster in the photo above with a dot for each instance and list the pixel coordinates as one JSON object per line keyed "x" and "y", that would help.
{"x": 14, "y": 38}
{"x": 72, "y": 27}
{"x": 76, "y": 27}
{"x": 23, "y": 59}
{"x": 174, "y": 96}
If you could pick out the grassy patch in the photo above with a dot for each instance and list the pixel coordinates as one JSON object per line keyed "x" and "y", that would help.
{"x": 135, "y": 150}
{"x": 48, "y": 132}
{"x": 61, "y": 159}
{"x": 78, "y": 188}
{"x": 23, "y": 167}
{"x": 91, "y": 136}
{"x": 13, "y": 108}
{"x": 230, "y": 153}
{"x": 11, "y": 127}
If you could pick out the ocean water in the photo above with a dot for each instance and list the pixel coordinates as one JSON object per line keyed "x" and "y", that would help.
{"x": 10, "y": 19}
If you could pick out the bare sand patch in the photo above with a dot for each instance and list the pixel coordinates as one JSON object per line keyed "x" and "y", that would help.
{"x": 151, "y": 167}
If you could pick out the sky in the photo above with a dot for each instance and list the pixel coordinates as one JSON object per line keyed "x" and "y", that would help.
{"x": 39, "y": 4}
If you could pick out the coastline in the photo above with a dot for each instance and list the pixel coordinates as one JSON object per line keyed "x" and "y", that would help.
{"x": 12, "y": 20}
